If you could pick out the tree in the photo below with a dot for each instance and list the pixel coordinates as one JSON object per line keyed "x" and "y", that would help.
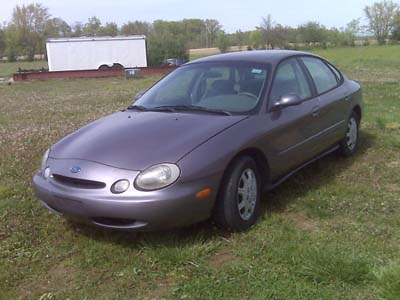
{"x": 240, "y": 38}
{"x": 336, "y": 37}
{"x": 77, "y": 29}
{"x": 12, "y": 43}
{"x": 57, "y": 27}
{"x": 265, "y": 28}
{"x": 29, "y": 24}
{"x": 212, "y": 28}
{"x": 380, "y": 17}
{"x": 351, "y": 32}
{"x": 165, "y": 41}
{"x": 279, "y": 36}
{"x": 136, "y": 28}
{"x": 110, "y": 29}
{"x": 195, "y": 33}
{"x": 396, "y": 27}
{"x": 222, "y": 42}
{"x": 256, "y": 39}
{"x": 273, "y": 35}
{"x": 2, "y": 41}
{"x": 312, "y": 32}
{"x": 353, "y": 27}
{"x": 92, "y": 27}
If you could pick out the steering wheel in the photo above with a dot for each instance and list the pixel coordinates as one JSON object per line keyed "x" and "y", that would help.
{"x": 251, "y": 95}
{"x": 197, "y": 95}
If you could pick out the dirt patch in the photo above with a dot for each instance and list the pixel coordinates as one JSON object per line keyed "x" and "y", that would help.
{"x": 160, "y": 291}
{"x": 58, "y": 277}
{"x": 302, "y": 222}
{"x": 392, "y": 187}
{"x": 221, "y": 258}
{"x": 393, "y": 164}
{"x": 3, "y": 235}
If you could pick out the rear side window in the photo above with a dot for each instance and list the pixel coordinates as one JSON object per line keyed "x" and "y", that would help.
{"x": 290, "y": 79}
{"x": 323, "y": 76}
{"x": 337, "y": 73}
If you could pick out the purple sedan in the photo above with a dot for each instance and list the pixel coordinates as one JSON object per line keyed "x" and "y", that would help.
{"x": 203, "y": 142}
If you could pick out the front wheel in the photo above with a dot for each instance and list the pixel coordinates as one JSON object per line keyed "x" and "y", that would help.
{"x": 238, "y": 203}
{"x": 349, "y": 145}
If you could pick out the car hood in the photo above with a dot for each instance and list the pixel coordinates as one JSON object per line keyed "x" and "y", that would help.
{"x": 137, "y": 140}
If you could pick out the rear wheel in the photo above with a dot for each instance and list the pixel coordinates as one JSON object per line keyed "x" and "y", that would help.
{"x": 349, "y": 145}
{"x": 117, "y": 66}
{"x": 238, "y": 203}
{"x": 104, "y": 68}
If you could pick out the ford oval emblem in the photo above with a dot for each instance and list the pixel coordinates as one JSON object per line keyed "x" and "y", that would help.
{"x": 75, "y": 169}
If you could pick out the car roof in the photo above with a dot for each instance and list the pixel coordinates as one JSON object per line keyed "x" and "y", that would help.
{"x": 258, "y": 56}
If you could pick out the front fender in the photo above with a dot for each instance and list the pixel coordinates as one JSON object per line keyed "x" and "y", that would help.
{"x": 212, "y": 157}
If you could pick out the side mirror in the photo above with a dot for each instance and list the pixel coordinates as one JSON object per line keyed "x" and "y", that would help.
{"x": 287, "y": 100}
{"x": 138, "y": 95}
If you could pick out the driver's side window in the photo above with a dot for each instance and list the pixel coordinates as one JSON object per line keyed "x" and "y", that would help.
{"x": 290, "y": 79}
{"x": 176, "y": 91}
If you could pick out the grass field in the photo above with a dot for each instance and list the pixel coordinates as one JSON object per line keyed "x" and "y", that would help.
{"x": 330, "y": 232}
{"x": 8, "y": 69}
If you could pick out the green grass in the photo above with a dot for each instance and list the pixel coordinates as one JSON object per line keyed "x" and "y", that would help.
{"x": 332, "y": 231}
{"x": 388, "y": 278}
{"x": 8, "y": 69}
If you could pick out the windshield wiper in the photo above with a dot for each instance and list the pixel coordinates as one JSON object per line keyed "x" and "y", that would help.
{"x": 143, "y": 108}
{"x": 195, "y": 108}
{"x": 137, "y": 107}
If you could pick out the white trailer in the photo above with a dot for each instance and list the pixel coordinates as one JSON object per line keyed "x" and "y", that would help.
{"x": 89, "y": 53}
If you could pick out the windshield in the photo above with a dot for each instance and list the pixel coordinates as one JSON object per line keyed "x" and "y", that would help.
{"x": 229, "y": 87}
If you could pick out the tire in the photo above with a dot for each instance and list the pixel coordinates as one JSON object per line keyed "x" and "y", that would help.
{"x": 104, "y": 68}
{"x": 117, "y": 66}
{"x": 235, "y": 210}
{"x": 349, "y": 144}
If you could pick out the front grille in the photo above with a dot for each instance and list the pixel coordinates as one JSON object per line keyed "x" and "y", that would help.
{"x": 79, "y": 183}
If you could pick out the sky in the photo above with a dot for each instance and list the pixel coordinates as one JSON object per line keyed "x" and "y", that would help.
{"x": 232, "y": 14}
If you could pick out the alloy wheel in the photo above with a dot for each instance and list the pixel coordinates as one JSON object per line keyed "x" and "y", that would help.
{"x": 247, "y": 194}
{"x": 352, "y": 133}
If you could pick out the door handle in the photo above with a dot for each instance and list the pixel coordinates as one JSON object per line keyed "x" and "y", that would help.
{"x": 315, "y": 111}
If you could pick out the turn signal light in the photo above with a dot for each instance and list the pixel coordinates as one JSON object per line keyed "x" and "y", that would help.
{"x": 203, "y": 193}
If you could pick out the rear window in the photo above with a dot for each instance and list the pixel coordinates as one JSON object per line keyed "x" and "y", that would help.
{"x": 323, "y": 76}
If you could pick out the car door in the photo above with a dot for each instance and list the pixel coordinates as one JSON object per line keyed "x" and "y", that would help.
{"x": 332, "y": 95}
{"x": 289, "y": 140}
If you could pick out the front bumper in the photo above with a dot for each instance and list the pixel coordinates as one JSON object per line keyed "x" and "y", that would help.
{"x": 133, "y": 210}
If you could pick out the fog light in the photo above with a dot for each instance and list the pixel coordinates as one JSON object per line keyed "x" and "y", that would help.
{"x": 46, "y": 172}
{"x": 120, "y": 186}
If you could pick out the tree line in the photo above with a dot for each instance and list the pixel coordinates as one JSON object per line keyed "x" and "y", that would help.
{"x": 30, "y": 25}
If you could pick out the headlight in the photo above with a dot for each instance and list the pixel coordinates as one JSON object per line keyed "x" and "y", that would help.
{"x": 44, "y": 160}
{"x": 157, "y": 177}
